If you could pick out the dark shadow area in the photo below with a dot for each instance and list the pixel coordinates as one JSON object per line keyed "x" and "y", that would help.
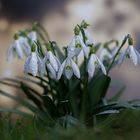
{"x": 29, "y": 10}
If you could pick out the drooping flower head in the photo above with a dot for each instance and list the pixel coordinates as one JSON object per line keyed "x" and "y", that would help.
{"x": 33, "y": 62}
{"x": 130, "y": 53}
{"x": 52, "y": 63}
{"x": 94, "y": 62}
{"x": 68, "y": 68}
{"x": 77, "y": 45}
{"x": 19, "y": 47}
{"x": 33, "y": 36}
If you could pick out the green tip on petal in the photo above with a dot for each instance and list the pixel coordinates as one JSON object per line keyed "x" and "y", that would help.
{"x": 16, "y": 36}
{"x": 84, "y": 24}
{"x": 92, "y": 50}
{"x": 78, "y": 45}
{"x": 76, "y": 30}
{"x": 33, "y": 48}
{"x": 130, "y": 40}
{"x": 68, "y": 67}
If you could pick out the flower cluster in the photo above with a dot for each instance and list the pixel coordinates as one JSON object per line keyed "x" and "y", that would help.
{"x": 28, "y": 44}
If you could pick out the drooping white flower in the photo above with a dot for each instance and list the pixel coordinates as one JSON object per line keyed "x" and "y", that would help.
{"x": 131, "y": 53}
{"x": 20, "y": 47}
{"x": 33, "y": 36}
{"x": 76, "y": 46}
{"x": 105, "y": 54}
{"x": 52, "y": 63}
{"x": 68, "y": 67}
{"x": 94, "y": 62}
{"x": 33, "y": 63}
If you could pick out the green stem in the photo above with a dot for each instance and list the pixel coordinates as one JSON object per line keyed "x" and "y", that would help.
{"x": 85, "y": 84}
{"x": 43, "y": 30}
{"x": 110, "y": 66}
{"x": 84, "y": 99}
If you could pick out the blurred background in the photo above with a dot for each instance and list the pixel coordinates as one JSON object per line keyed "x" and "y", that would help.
{"x": 109, "y": 19}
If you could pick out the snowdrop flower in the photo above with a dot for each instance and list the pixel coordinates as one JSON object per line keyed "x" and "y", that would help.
{"x": 33, "y": 36}
{"x": 19, "y": 47}
{"x": 68, "y": 67}
{"x": 52, "y": 63}
{"x": 94, "y": 62}
{"x": 33, "y": 62}
{"x": 105, "y": 54}
{"x": 76, "y": 46}
{"x": 131, "y": 53}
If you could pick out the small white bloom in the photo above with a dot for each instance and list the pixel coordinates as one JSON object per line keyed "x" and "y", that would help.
{"x": 19, "y": 47}
{"x": 33, "y": 64}
{"x": 94, "y": 62}
{"x": 69, "y": 68}
{"x": 133, "y": 54}
{"x": 33, "y": 36}
{"x": 76, "y": 46}
{"x": 52, "y": 63}
{"x": 130, "y": 53}
{"x": 105, "y": 54}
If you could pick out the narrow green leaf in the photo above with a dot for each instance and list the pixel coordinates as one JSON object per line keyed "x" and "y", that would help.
{"x": 98, "y": 89}
{"x": 30, "y": 95}
{"x": 13, "y": 110}
{"x": 24, "y": 103}
{"x": 58, "y": 50}
{"x": 50, "y": 106}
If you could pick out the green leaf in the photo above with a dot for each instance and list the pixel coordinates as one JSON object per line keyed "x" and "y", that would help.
{"x": 98, "y": 89}
{"x": 13, "y": 110}
{"x": 50, "y": 106}
{"x": 32, "y": 95}
{"x": 24, "y": 103}
{"x": 69, "y": 122}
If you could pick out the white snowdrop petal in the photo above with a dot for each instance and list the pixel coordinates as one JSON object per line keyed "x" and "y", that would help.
{"x": 77, "y": 41}
{"x": 51, "y": 70}
{"x": 75, "y": 69}
{"x": 53, "y": 61}
{"x": 41, "y": 66}
{"x": 91, "y": 66}
{"x": 68, "y": 68}
{"x": 33, "y": 36}
{"x": 102, "y": 66}
{"x": 10, "y": 53}
{"x": 19, "y": 50}
{"x": 26, "y": 65}
{"x": 84, "y": 47}
{"x": 133, "y": 55}
{"x": 105, "y": 53}
{"x": 71, "y": 51}
{"x": 34, "y": 64}
{"x": 138, "y": 55}
{"x": 60, "y": 71}
{"x": 77, "y": 51}
{"x": 68, "y": 73}
{"x": 121, "y": 58}
{"x": 25, "y": 45}
{"x": 58, "y": 62}
{"x": 31, "y": 65}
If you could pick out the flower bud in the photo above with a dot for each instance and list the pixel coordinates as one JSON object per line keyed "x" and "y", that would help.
{"x": 76, "y": 30}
